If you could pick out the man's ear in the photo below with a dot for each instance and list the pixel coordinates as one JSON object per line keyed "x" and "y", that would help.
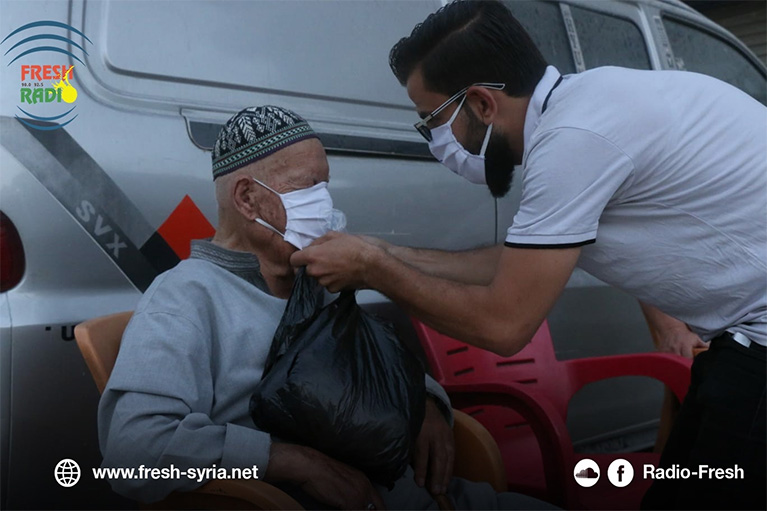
{"x": 244, "y": 198}
{"x": 483, "y": 103}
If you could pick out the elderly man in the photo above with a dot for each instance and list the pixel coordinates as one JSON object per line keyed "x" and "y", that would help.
{"x": 199, "y": 338}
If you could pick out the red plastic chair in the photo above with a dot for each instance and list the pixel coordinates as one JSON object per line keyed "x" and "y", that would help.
{"x": 522, "y": 400}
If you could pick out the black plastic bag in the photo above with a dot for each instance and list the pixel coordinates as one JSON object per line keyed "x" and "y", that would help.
{"x": 338, "y": 379}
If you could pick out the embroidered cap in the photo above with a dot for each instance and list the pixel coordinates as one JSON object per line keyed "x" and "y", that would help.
{"x": 255, "y": 133}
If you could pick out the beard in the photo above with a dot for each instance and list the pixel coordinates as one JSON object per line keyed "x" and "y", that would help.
{"x": 499, "y": 157}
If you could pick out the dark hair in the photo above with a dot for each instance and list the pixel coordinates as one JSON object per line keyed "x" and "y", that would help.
{"x": 468, "y": 42}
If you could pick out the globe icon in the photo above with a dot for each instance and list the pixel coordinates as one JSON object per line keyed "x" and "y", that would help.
{"x": 67, "y": 473}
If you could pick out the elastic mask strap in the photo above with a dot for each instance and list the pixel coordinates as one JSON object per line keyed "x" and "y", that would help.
{"x": 266, "y": 186}
{"x": 487, "y": 139}
{"x": 261, "y": 222}
{"x": 455, "y": 114}
{"x": 268, "y": 226}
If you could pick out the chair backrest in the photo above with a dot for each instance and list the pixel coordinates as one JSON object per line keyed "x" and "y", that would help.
{"x": 99, "y": 342}
{"x": 454, "y": 362}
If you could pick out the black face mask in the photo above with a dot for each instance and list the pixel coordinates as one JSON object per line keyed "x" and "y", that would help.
{"x": 499, "y": 157}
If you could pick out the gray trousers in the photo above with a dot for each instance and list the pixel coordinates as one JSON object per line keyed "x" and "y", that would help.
{"x": 464, "y": 494}
{"x": 408, "y": 495}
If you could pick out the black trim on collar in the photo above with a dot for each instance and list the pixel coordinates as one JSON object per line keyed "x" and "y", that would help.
{"x": 546, "y": 101}
{"x": 562, "y": 245}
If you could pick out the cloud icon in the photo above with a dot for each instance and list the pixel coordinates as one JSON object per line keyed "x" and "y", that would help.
{"x": 588, "y": 473}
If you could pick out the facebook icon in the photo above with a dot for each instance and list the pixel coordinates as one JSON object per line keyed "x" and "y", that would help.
{"x": 620, "y": 473}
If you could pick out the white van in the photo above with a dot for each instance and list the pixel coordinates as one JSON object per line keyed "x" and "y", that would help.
{"x": 101, "y": 194}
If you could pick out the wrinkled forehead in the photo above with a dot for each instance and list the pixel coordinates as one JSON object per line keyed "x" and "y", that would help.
{"x": 301, "y": 165}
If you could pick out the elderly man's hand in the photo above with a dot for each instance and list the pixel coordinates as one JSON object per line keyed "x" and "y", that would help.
{"x": 327, "y": 480}
{"x": 337, "y": 260}
{"x": 434, "y": 451}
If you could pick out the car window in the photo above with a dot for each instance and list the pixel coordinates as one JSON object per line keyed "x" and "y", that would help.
{"x": 702, "y": 52}
{"x": 607, "y": 40}
{"x": 543, "y": 21}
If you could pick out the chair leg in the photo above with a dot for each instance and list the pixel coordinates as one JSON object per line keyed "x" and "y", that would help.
{"x": 668, "y": 413}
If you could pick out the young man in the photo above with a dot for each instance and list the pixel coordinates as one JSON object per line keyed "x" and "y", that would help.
{"x": 653, "y": 181}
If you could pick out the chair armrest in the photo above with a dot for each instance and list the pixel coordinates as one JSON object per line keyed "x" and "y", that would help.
{"x": 477, "y": 457}
{"x": 229, "y": 494}
{"x": 548, "y": 427}
{"x": 673, "y": 370}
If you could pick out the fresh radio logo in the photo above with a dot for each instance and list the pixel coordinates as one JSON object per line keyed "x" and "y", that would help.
{"x": 47, "y": 92}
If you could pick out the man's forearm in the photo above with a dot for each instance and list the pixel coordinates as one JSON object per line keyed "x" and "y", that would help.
{"x": 659, "y": 323}
{"x": 500, "y": 316}
{"x": 440, "y": 397}
{"x": 670, "y": 335}
{"x": 158, "y": 431}
{"x": 464, "y": 311}
{"x": 477, "y": 266}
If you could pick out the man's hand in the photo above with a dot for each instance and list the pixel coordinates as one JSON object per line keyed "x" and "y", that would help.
{"x": 323, "y": 478}
{"x": 338, "y": 261}
{"x": 669, "y": 334}
{"x": 434, "y": 451}
{"x": 679, "y": 341}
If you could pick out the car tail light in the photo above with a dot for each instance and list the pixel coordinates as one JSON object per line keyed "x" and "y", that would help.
{"x": 11, "y": 254}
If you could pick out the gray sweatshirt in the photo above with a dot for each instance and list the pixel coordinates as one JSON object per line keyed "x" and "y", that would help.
{"x": 188, "y": 363}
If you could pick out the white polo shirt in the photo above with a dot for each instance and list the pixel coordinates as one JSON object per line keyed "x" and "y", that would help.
{"x": 661, "y": 176}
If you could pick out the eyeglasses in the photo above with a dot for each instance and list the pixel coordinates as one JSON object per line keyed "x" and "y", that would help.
{"x": 421, "y": 126}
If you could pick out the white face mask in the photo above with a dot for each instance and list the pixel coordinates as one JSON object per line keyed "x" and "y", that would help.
{"x": 454, "y": 156}
{"x": 309, "y": 212}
